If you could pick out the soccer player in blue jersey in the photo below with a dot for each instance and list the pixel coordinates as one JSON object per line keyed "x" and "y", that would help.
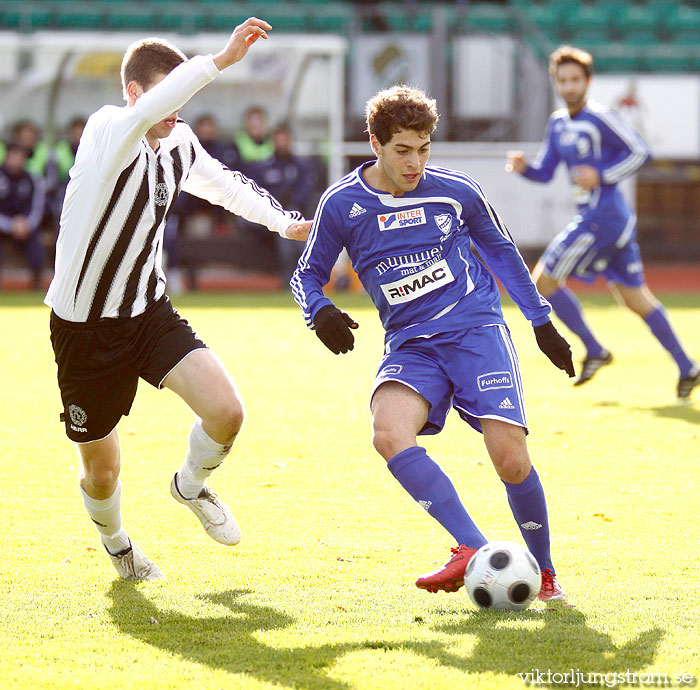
{"x": 600, "y": 150}
{"x": 408, "y": 230}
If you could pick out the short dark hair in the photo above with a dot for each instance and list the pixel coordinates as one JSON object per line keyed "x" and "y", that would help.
{"x": 13, "y": 147}
{"x": 400, "y": 107}
{"x": 564, "y": 54}
{"x": 144, "y": 60}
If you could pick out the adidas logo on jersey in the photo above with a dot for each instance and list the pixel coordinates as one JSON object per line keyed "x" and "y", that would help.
{"x": 506, "y": 404}
{"x": 531, "y": 525}
{"x": 356, "y": 210}
{"x": 425, "y": 504}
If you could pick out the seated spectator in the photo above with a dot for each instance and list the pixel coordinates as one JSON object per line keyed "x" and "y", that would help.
{"x": 61, "y": 159}
{"x": 290, "y": 180}
{"x": 28, "y": 135}
{"x": 254, "y": 141}
{"x": 187, "y": 206}
{"x": 208, "y": 132}
{"x": 21, "y": 209}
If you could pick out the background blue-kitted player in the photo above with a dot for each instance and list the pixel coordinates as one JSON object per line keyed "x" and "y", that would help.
{"x": 408, "y": 230}
{"x": 600, "y": 150}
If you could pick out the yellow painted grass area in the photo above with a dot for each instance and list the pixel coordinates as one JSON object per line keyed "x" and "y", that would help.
{"x": 320, "y": 592}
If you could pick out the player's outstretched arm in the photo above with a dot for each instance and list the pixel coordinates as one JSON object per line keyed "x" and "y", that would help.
{"x": 243, "y": 36}
{"x": 333, "y": 329}
{"x": 555, "y": 347}
{"x": 298, "y": 231}
{"x": 516, "y": 162}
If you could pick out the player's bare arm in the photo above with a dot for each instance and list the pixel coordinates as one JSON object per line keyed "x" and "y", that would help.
{"x": 515, "y": 162}
{"x": 298, "y": 231}
{"x": 243, "y": 36}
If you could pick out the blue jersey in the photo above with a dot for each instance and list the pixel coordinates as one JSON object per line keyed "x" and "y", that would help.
{"x": 595, "y": 136}
{"x": 413, "y": 255}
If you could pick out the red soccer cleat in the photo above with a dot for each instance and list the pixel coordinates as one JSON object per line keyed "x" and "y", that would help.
{"x": 450, "y": 577}
{"x": 551, "y": 590}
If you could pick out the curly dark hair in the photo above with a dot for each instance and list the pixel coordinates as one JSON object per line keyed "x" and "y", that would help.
{"x": 397, "y": 108}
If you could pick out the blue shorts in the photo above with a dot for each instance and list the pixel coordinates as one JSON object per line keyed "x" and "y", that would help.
{"x": 582, "y": 251}
{"x": 475, "y": 371}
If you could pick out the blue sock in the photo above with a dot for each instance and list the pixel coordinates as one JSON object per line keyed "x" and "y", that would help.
{"x": 433, "y": 490}
{"x": 568, "y": 309}
{"x": 530, "y": 512}
{"x": 660, "y": 326}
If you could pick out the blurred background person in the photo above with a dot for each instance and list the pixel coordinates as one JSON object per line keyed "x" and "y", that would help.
{"x": 187, "y": 206}
{"x": 21, "y": 209}
{"x": 254, "y": 141}
{"x": 60, "y": 160}
{"x": 290, "y": 179}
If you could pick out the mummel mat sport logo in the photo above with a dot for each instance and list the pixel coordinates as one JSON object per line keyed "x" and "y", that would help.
{"x": 401, "y": 219}
{"x": 494, "y": 380}
{"x": 411, "y": 287}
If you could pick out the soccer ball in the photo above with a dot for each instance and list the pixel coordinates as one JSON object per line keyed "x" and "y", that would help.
{"x": 503, "y": 575}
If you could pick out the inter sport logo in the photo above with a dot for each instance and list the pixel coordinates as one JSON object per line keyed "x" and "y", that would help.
{"x": 494, "y": 380}
{"x": 419, "y": 284}
{"x": 401, "y": 219}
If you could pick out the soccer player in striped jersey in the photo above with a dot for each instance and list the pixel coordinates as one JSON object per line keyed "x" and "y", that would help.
{"x": 111, "y": 321}
{"x": 408, "y": 230}
{"x": 600, "y": 150}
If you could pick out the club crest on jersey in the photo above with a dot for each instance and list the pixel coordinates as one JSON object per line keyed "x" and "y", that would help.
{"x": 412, "y": 287}
{"x": 161, "y": 194}
{"x": 494, "y": 380}
{"x": 401, "y": 219}
{"x": 444, "y": 223}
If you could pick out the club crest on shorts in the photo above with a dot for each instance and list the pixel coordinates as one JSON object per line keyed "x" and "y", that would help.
{"x": 77, "y": 415}
{"x": 494, "y": 380}
{"x": 161, "y": 194}
{"x": 390, "y": 370}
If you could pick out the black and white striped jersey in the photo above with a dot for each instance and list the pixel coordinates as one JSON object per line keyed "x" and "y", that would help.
{"x": 110, "y": 244}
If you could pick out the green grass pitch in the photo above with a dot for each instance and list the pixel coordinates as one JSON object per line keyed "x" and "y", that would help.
{"x": 320, "y": 592}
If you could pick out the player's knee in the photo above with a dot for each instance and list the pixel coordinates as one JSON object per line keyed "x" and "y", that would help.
{"x": 227, "y": 420}
{"x": 512, "y": 467}
{"x": 388, "y": 443}
{"x": 546, "y": 285}
{"x": 102, "y": 479}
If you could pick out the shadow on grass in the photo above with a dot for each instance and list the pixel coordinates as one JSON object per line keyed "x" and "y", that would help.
{"x": 227, "y": 642}
{"x": 563, "y": 642}
{"x": 230, "y": 643}
{"x": 686, "y": 412}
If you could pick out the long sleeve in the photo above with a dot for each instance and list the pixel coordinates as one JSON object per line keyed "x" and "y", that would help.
{"x": 313, "y": 271}
{"x": 542, "y": 169}
{"x": 630, "y": 150}
{"x": 209, "y": 179}
{"x": 117, "y": 132}
{"x": 495, "y": 245}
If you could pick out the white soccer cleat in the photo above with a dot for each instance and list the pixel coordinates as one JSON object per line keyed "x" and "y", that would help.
{"x": 215, "y": 516}
{"x": 132, "y": 564}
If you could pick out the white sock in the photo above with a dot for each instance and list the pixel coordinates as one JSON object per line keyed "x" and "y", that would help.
{"x": 204, "y": 455}
{"x": 107, "y": 516}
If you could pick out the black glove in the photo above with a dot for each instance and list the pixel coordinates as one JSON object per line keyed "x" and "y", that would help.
{"x": 333, "y": 329}
{"x": 555, "y": 347}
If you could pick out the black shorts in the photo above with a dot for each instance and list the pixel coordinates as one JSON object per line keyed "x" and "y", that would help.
{"x": 99, "y": 364}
